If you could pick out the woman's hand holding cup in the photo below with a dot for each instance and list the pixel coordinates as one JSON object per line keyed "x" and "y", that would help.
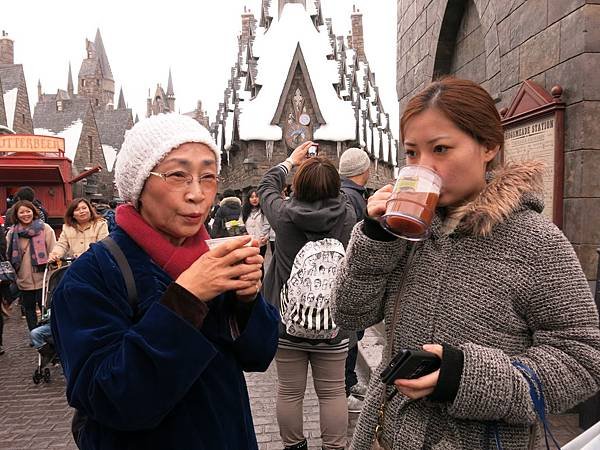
{"x": 377, "y": 203}
{"x": 231, "y": 266}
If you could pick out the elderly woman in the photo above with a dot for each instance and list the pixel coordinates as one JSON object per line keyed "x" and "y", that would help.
{"x": 82, "y": 227}
{"x": 169, "y": 373}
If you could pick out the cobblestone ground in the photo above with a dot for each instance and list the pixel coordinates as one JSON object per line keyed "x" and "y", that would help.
{"x": 38, "y": 417}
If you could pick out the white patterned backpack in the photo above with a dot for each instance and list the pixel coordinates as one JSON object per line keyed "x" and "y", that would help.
{"x": 305, "y": 297}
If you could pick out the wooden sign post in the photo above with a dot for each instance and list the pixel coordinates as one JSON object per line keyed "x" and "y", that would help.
{"x": 534, "y": 129}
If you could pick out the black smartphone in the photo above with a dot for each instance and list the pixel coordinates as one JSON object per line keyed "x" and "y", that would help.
{"x": 409, "y": 364}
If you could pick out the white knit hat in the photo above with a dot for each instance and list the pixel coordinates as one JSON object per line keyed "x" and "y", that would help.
{"x": 148, "y": 142}
{"x": 354, "y": 161}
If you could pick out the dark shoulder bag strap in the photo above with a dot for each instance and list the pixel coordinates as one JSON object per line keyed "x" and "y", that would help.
{"x": 79, "y": 418}
{"x": 125, "y": 268}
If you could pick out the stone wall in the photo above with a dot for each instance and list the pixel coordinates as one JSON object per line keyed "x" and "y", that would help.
{"x": 500, "y": 44}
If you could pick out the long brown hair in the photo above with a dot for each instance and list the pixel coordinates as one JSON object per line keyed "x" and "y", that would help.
{"x": 316, "y": 179}
{"x": 27, "y": 204}
{"x": 466, "y": 104}
{"x": 70, "y": 220}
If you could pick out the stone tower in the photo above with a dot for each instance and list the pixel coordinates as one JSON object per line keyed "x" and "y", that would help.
{"x": 170, "y": 93}
{"x": 95, "y": 77}
{"x": 7, "y": 49}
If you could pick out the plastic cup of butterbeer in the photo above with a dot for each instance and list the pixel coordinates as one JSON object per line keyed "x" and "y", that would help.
{"x": 412, "y": 204}
{"x": 212, "y": 243}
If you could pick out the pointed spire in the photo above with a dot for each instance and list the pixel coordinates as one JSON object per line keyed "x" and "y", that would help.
{"x": 121, "y": 104}
{"x": 39, "y": 89}
{"x": 70, "y": 81}
{"x": 101, "y": 55}
{"x": 170, "y": 92}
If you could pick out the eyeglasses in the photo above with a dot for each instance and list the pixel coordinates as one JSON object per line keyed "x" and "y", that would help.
{"x": 180, "y": 179}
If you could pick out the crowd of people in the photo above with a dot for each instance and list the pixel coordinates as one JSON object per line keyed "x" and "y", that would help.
{"x": 29, "y": 243}
{"x": 155, "y": 329}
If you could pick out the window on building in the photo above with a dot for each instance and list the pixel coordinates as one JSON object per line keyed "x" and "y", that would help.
{"x": 82, "y": 83}
{"x": 97, "y": 102}
{"x": 90, "y": 146}
{"x": 97, "y": 82}
{"x": 22, "y": 118}
{"x": 59, "y": 105}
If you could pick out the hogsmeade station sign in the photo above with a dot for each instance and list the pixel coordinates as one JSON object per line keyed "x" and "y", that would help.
{"x": 28, "y": 144}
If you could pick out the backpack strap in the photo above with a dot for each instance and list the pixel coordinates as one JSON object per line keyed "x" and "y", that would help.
{"x": 125, "y": 268}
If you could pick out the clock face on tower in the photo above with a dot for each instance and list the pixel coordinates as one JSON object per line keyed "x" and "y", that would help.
{"x": 297, "y": 128}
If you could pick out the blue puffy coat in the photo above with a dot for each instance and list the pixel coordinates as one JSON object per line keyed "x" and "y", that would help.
{"x": 158, "y": 383}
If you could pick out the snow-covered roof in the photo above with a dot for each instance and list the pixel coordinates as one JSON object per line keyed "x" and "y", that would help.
{"x": 228, "y": 131}
{"x": 71, "y": 135}
{"x": 10, "y": 104}
{"x": 275, "y": 50}
{"x": 110, "y": 155}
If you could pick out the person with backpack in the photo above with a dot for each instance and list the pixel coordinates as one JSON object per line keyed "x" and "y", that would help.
{"x": 109, "y": 216}
{"x": 313, "y": 227}
{"x": 153, "y": 329}
{"x": 228, "y": 218}
{"x": 26, "y": 193}
{"x": 355, "y": 166}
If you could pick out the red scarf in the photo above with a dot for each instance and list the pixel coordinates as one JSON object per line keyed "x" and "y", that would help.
{"x": 171, "y": 258}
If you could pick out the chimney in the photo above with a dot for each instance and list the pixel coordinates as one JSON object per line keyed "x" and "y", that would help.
{"x": 357, "y": 34}
{"x": 7, "y": 49}
{"x": 247, "y": 25}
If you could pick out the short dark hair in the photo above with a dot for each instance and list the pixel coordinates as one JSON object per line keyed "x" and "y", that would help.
{"x": 70, "y": 220}
{"x": 27, "y": 204}
{"x": 25, "y": 193}
{"x": 112, "y": 204}
{"x": 229, "y": 193}
{"x": 316, "y": 179}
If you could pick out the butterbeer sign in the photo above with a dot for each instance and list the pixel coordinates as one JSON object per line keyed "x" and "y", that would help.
{"x": 534, "y": 130}
{"x": 31, "y": 143}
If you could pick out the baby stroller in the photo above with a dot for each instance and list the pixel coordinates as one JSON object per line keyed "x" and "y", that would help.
{"x": 53, "y": 273}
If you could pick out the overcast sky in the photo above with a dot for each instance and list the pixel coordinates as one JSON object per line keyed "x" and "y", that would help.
{"x": 196, "y": 39}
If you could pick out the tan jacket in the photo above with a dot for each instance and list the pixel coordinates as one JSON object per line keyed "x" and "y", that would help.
{"x": 27, "y": 278}
{"x": 74, "y": 241}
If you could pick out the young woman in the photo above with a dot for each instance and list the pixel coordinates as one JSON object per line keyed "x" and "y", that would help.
{"x": 256, "y": 223}
{"x": 496, "y": 283}
{"x": 316, "y": 210}
{"x": 82, "y": 227}
{"x": 29, "y": 243}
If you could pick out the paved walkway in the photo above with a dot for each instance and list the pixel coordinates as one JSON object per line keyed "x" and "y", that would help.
{"x": 38, "y": 417}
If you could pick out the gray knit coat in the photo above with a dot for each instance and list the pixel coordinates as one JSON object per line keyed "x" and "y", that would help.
{"x": 500, "y": 282}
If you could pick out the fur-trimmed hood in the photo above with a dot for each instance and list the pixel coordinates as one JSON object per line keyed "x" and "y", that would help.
{"x": 511, "y": 188}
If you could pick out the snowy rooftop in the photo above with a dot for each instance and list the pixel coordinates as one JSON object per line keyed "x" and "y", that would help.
{"x": 275, "y": 50}
{"x": 10, "y": 104}
{"x": 71, "y": 135}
